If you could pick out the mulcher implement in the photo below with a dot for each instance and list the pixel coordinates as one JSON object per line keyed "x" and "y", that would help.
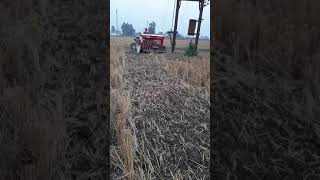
{"x": 149, "y": 43}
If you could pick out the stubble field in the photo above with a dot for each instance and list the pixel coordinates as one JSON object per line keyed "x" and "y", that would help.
{"x": 159, "y": 113}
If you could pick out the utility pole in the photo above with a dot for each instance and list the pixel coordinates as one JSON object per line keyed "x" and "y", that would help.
{"x": 175, "y": 26}
{"x": 117, "y": 21}
{"x": 201, "y": 5}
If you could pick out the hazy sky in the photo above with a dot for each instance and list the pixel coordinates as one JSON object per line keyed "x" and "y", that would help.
{"x": 139, "y": 12}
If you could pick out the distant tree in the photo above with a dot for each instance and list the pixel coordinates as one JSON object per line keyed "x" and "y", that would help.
{"x": 179, "y": 36}
{"x": 152, "y": 28}
{"x": 118, "y": 32}
{"x": 160, "y": 33}
{"x": 113, "y": 30}
{"x": 127, "y": 29}
{"x": 204, "y": 37}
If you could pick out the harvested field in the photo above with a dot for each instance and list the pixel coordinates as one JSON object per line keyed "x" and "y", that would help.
{"x": 168, "y": 116}
{"x": 266, "y": 126}
{"x": 53, "y": 90}
{"x": 266, "y": 89}
{"x": 181, "y": 44}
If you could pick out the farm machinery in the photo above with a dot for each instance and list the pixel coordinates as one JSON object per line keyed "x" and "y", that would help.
{"x": 148, "y": 43}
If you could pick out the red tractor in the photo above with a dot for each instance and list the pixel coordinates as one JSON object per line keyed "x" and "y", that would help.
{"x": 149, "y": 43}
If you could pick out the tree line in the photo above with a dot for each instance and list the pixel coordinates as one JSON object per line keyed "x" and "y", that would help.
{"x": 128, "y": 30}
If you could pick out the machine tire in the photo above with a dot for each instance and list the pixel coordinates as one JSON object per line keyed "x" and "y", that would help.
{"x": 133, "y": 46}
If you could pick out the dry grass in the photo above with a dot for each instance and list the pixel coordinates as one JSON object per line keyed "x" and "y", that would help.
{"x": 142, "y": 138}
{"x": 267, "y": 77}
{"x": 180, "y": 43}
{"x": 49, "y": 128}
{"x": 183, "y": 43}
{"x": 32, "y": 131}
{"x": 122, "y": 150}
{"x": 278, "y": 34}
{"x": 280, "y": 37}
{"x": 195, "y": 71}
{"x": 263, "y": 114}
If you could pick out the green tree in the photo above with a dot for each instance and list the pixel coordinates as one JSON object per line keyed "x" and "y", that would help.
{"x": 191, "y": 50}
{"x": 113, "y": 29}
{"x": 152, "y": 28}
{"x": 127, "y": 29}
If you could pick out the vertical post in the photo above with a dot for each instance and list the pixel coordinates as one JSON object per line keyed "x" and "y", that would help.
{"x": 201, "y": 5}
{"x": 175, "y": 26}
{"x": 117, "y": 21}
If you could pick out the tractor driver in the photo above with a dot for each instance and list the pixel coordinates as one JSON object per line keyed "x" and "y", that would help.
{"x": 145, "y": 31}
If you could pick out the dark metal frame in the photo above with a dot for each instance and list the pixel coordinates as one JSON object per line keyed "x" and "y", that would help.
{"x": 202, "y": 3}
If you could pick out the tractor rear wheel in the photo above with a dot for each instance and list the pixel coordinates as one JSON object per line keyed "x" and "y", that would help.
{"x": 133, "y": 46}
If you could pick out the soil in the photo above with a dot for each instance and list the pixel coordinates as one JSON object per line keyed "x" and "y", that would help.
{"x": 262, "y": 130}
{"x": 66, "y": 39}
{"x": 73, "y": 40}
{"x": 170, "y": 118}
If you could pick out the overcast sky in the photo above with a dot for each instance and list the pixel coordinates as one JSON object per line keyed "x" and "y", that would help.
{"x": 139, "y": 12}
